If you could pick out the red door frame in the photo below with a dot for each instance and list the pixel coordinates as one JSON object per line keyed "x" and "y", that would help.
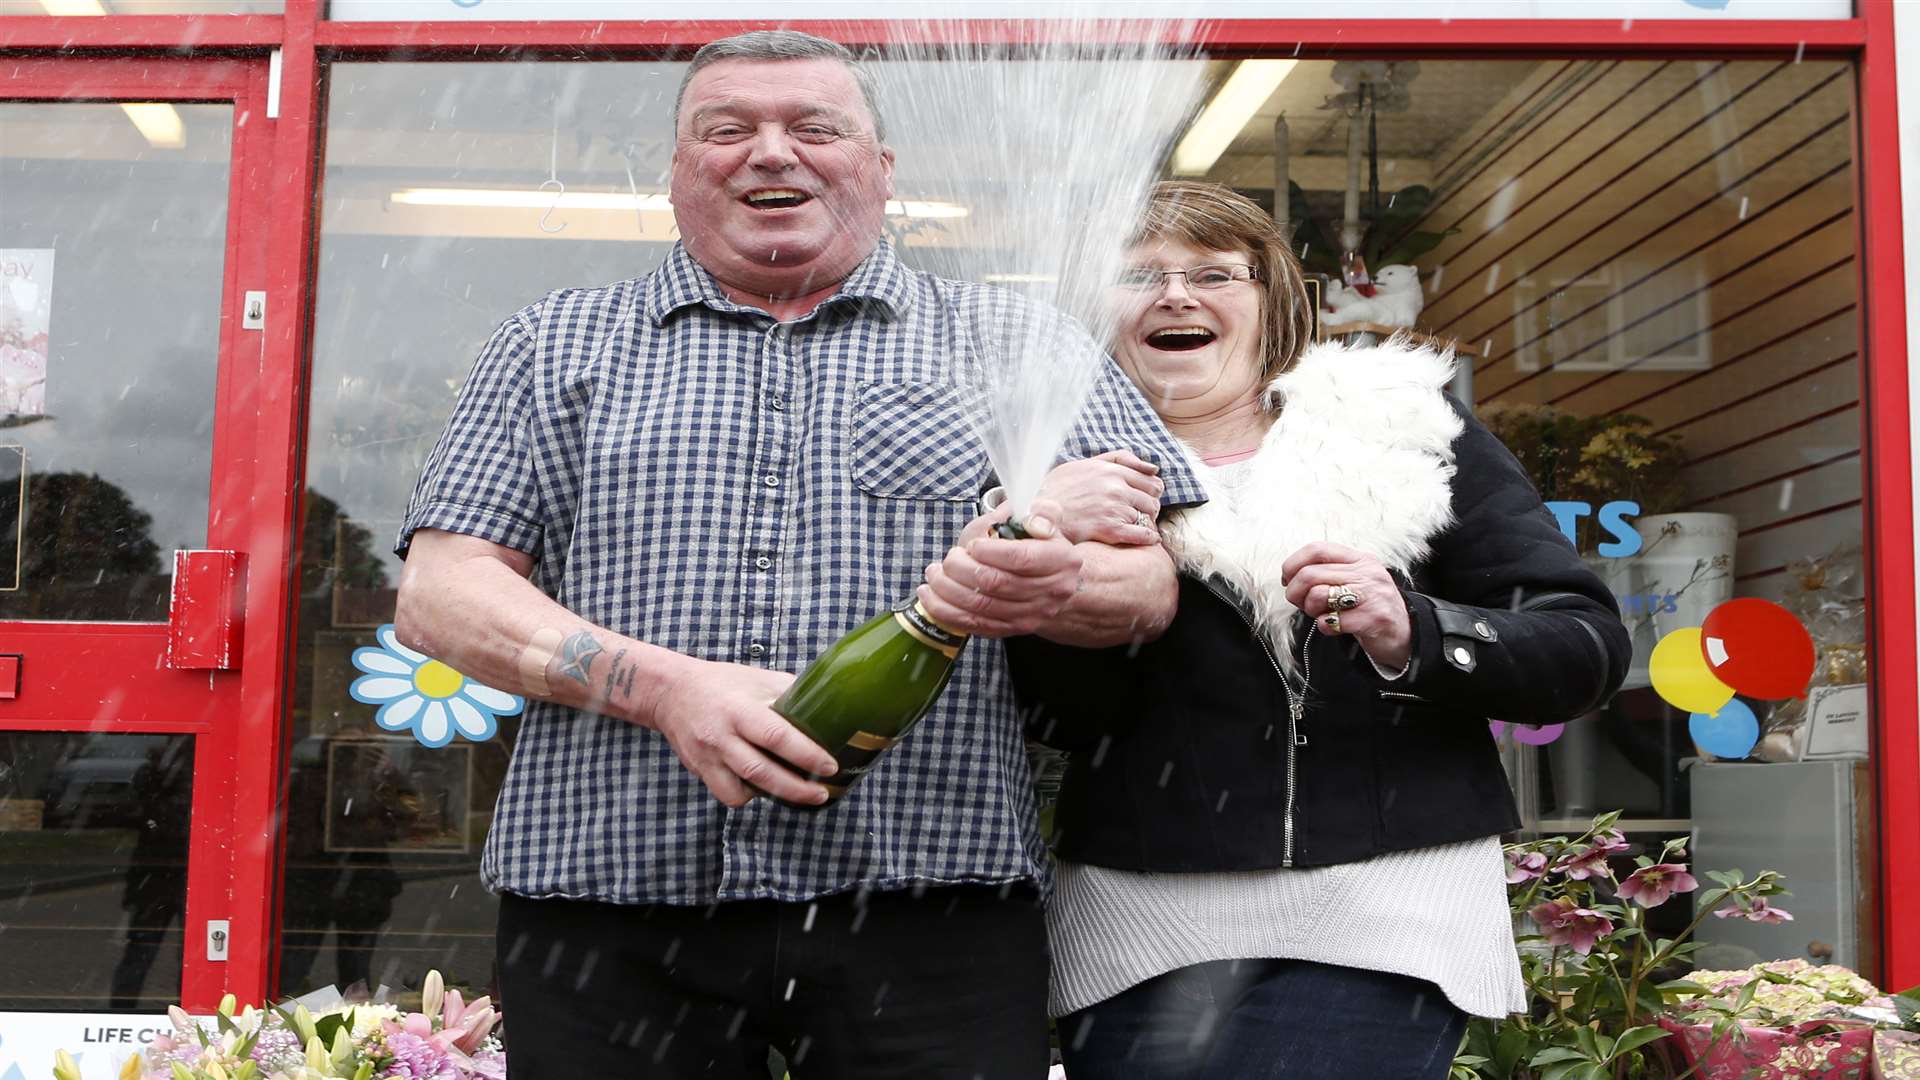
{"x": 308, "y": 43}
{"x": 61, "y": 689}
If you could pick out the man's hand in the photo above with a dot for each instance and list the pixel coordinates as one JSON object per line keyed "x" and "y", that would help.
{"x": 1111, "y": 499}
{"x": 715, "y": 716}
{"x": 1004, "y": 588}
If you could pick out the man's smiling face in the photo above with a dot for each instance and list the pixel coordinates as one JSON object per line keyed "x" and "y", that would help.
{"x": 779, "y": 181}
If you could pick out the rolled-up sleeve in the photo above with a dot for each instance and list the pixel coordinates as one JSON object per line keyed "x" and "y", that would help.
{"x": 1117, "y": 417}
{"x": 481, "y": 478}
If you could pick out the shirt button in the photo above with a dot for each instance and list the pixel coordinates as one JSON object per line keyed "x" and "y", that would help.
{"x": 756, "y": 649}
{"x": 777, "y": 401}
{"x": 763, "y": 562}
{"x": 772, "y": 480}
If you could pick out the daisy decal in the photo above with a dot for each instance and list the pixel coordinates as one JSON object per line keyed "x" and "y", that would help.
{"x": 420, "y": 694}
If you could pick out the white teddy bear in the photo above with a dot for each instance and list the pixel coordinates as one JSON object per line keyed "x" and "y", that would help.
{"x": 1396, "y": 301}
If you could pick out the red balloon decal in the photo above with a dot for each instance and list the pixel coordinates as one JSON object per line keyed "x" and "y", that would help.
{"x": 1758, "y": 648}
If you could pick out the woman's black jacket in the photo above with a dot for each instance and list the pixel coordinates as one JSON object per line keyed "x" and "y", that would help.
{"x": 1182, "y": 754}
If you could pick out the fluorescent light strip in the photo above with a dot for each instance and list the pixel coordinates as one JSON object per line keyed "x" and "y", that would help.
{"x": 158, "y": 122}
{"x": 73, "y": 7}
{"x": 534, "y": 198}
{"x": 1240, "y": 97}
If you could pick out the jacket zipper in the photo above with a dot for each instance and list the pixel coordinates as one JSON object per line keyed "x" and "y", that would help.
{"x": 1296, "y": 708}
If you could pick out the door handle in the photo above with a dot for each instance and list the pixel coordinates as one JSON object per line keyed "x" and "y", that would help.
{"x": 206, "y": 616}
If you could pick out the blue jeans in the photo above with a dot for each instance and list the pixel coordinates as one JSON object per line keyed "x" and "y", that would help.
{"x": 1242, "y": 1019}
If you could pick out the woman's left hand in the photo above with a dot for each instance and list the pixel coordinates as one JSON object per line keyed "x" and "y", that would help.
{"x": 1379, "y": 619}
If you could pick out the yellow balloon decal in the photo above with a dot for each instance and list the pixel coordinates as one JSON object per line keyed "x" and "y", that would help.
{"x": 1681, "y": 676}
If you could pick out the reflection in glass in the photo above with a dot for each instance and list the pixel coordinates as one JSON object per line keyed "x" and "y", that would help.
{"x": 93, "y": 869}
{"x": 113, "y": 229}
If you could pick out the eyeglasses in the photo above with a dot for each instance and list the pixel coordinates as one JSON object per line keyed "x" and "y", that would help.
{"x": 1211, "y": 276}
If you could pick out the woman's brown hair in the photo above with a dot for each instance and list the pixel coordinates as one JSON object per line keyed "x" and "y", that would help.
{"x": 1215, "y": 217}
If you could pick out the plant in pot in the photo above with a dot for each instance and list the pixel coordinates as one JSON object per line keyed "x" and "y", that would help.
{"x": 1626, "y": 484}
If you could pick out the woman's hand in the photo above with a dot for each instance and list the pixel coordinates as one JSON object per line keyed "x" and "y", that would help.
{"x": 1113, "y": 499}
{"x": 1379, "y": 620}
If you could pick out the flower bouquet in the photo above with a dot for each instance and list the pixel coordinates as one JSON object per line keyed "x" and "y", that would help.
{"x": 1789, "y": 1018}
{"x": 448, "y": 1039}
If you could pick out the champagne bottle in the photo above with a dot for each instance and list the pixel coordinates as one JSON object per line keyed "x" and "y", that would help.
{"x": 869, "y": 688}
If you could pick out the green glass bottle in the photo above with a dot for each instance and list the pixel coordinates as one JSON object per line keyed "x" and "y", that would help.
{"x": 869, "y": 688}
{"x": 863, "y": 694}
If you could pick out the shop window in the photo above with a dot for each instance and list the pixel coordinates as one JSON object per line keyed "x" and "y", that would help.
{"x": 93, "y": 869}
{"x": 1603, "y": 240}
{"x": 112, "y": 248}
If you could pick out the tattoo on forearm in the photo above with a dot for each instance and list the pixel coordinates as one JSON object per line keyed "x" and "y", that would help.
{"x": 576, "y": 656}
{"x": 613, "y": 673}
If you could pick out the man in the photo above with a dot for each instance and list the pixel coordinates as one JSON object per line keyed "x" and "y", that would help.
{"x": 710, "y": 474}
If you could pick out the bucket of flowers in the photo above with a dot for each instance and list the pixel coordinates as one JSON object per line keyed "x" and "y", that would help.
{"x": 449, "y": 1038}
{"x": 1789, "y": 1018}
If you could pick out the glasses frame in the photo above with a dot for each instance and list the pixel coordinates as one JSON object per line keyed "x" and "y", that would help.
{"x": 1186, "y": 277}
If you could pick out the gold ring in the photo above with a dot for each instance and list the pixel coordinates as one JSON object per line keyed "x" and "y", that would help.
{"x": 1343, "y": 598}
{"x": 1333, "y": 622}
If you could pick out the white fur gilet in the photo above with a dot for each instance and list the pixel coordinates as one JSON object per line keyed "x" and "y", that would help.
{"x": 1361, "y": 454}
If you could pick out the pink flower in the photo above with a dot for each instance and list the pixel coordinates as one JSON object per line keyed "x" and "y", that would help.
{"x": 1589, "y": 863}
{"x": 1756, "y": 910}
{"x": 1650, "y": 886}
{"x": 1566, "y": 924}
{"x": 1613, "y": 841}
{"x": 1525, "y": 866}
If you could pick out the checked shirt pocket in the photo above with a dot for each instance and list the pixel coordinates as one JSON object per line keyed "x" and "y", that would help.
{"x": 913, "y": 441}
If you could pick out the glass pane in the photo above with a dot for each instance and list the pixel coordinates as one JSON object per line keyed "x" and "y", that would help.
{"x": 1652, "y": 268}
{"x": 93, "y": 869}
{"x": 142, "y": 7}
{"x": 113, "y": 224}
{"x": 1668, "y": 241}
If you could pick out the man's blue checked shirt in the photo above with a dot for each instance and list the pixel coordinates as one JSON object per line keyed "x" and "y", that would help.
{"x": 691, "y": 473}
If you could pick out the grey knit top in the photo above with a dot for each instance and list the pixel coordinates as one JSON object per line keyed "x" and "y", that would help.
{"x": 1437, "y": 913}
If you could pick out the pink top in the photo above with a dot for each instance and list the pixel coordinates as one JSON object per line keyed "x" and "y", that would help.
{"x": 1231, "y": 457}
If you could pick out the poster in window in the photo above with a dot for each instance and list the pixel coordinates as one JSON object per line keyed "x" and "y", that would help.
{"x": 26, "y": 319}
{"x": 395, "y": 795}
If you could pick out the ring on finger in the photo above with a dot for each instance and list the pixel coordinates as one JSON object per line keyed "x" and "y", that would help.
{"x": 1331, "y": 621}
{"x": 1343, "y": 598}
{"x": 1142, "y": 520}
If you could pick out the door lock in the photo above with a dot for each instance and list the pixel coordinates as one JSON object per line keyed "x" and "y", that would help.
{"x": 217, "y": 939}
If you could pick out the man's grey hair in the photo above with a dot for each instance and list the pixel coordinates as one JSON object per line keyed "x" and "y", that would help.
{"x": 780, "y": 45}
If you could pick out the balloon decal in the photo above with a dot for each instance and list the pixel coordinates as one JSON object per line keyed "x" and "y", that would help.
{"x": 1729, "y": 733}
{"x": 1746, "y": 646}
{"x": 1681, "y": 676}
{"x": 1758, "y": 648}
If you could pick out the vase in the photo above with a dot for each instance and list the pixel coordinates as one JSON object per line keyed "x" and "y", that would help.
{"x": 1683, "y": 570}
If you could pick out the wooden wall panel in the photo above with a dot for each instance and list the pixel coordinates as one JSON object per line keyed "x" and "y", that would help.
{"x": 1678, "y": 242}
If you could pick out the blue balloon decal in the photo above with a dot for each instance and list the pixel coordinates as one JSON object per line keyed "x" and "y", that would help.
{"x": 1729, "y": 733}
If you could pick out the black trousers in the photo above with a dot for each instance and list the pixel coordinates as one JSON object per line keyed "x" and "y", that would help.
{"x": 946, "y": 982}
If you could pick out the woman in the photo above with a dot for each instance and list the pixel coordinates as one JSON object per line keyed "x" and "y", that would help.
{"x": 1278, "y": 836}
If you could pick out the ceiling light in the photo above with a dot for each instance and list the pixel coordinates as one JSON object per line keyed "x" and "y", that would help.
{"x": 1019, "y": 279}
{"x": 73, "y": 7}
{"x": 1241, "y": 96}
{"x": 159, "y": 122}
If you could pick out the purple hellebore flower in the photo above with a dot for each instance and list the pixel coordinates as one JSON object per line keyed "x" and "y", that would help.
{"x": 1758, "y": 910}
{"x": 1525, "y": 866}
{"x": 1566, "y": 924}
{"x": 1591, "y": 862}
{"x": 1650, "y": 886}
{"x": 1612, "y": 841}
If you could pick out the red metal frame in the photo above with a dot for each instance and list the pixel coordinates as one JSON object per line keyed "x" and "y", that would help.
{"x": 278, "y": 203}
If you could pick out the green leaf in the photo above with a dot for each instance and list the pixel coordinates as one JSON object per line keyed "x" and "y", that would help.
{"x": 1508, "y": 1048}
{"x": 180, "y": 1072}
{"x": 1554, "y": 1054}
{"x": 1589, "y": 1041}
{"x": 1635, "y": 1038}
{"x": 1683, "y": 986}
{"x": 327, "y": 1026}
